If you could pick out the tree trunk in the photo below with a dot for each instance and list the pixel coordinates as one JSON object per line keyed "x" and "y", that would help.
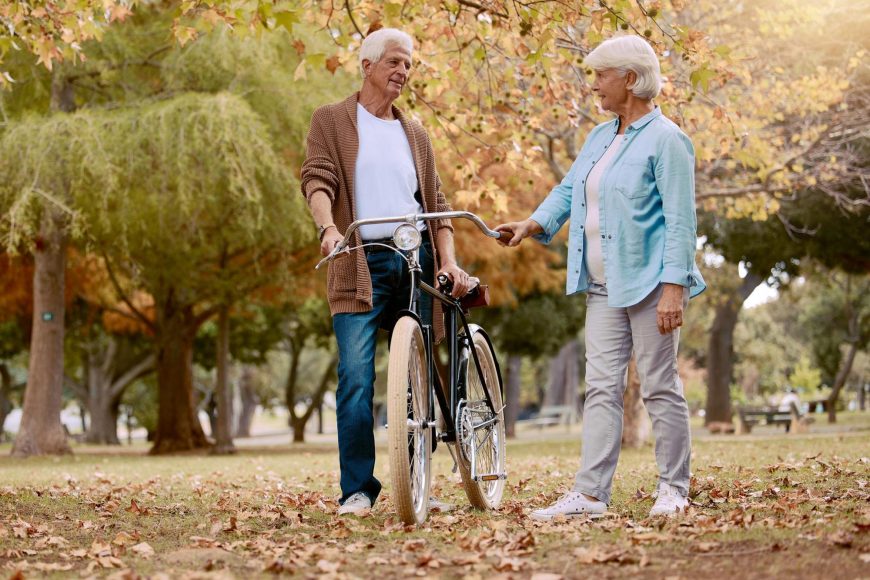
{"x": 840, "y": 381}
{"x": 853, "y": 315}
{"x": 224, "y": 436}
{"x": 299, "y": 422}
{"x": 720, "y": 351}
{"x": 636, "y": 423}
{"x": 564, "y": 385}
{"x": 178, "y": 427}
{"x": 292, "y": 377}
{"x": 512, "y": 394}
{"x": 105, "y": 385}
{"x": 5, "y": 392}
{"x": 249, "y": 402}
{"x": 103, "y": 429}
{"x": 41, "y": 431}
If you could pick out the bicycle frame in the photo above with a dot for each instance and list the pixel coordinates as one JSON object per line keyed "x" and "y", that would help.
{"x": 457, "y": 345}
{"x": 454, "y": 315}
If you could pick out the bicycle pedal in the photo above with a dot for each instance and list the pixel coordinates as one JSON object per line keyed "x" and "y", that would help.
{"x": 491, "y": 477}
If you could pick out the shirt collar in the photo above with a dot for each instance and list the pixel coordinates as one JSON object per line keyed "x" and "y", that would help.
{"x": 640, "y": 123}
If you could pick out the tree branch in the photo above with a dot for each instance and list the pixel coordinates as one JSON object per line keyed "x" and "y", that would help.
{"x": 80, "y": 391}
{"x": 352, "y": 21}
{"x": 137, "y": 371}
{"x": 142, "y": 318}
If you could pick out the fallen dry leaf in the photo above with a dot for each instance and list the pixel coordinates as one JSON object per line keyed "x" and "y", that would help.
{"x": 840, "y": 539}
{"x": 143, "y": 549}
{"x": 328, "y": 566}
{"x": 99, "y": 549}
{"x": 138, "y": 510}
{"x": 122, "y": 539}
{"x": 705, "y": 547}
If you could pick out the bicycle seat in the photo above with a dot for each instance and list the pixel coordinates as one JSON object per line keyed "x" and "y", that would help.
{"x": 477, "y": 297}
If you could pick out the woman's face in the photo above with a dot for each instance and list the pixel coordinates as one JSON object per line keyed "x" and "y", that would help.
{"x": 389, "y": 74}
{"x": 612, "y": 87}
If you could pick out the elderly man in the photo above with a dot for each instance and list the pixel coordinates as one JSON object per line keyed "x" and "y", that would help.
{"x": 366, "y": 159}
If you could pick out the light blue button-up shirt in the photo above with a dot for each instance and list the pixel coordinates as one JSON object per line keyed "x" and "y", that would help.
{"x": 646, "y": 210}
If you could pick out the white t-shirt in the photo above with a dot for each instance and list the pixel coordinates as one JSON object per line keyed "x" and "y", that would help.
{"x": 593, "y": 254}
{"x": 385, "y": 179}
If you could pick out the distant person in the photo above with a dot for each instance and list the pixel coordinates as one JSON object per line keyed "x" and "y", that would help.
{"x": 630, "y": 195}
{"x": 791, "y": 396}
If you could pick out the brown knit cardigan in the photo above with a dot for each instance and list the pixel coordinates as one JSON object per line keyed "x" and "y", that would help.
{"x": 329, "y": 167}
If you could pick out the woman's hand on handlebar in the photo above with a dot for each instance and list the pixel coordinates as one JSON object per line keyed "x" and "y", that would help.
{"x": 331, "y": 238}
{"x": 513, "y": 233}
{"x": 459, "y": 277}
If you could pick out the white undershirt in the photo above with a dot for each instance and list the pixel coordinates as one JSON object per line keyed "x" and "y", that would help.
{"x": 385, "y": 179}
{"x": 593, "y": 254}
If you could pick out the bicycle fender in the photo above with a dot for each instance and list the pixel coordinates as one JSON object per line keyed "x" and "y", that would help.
{"x": 475, "y": 329}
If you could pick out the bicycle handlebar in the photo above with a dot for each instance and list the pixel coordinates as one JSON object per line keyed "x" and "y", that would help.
{"x": 411, "y": 219}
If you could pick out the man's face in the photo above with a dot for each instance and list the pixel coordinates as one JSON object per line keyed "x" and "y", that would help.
{"x": 389, "y": 74}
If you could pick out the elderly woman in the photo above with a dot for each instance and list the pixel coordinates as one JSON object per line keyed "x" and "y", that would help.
{"x": 630, "y": 196}
{"x": 366, "y": 159}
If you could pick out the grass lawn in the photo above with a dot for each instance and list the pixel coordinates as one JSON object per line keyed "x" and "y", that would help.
{"x": 764, "y": 506}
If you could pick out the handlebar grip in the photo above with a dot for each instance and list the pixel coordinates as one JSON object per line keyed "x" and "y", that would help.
{"x": 444, "y": 284}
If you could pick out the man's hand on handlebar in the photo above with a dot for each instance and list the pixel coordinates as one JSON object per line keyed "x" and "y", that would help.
{"x": 513, "y": 233}
{"x": 331, "y": 238}
{"x": 459, "y": 277}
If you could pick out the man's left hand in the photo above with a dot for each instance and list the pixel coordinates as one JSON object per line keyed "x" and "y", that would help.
{"x": 669, "y": 312}
{"x": 459, "y": 277}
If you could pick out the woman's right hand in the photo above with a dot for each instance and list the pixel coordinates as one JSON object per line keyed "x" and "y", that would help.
{"x": 513, "y": 233}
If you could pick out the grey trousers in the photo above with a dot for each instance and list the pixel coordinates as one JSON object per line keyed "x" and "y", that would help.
{"x": 611, "y": 334}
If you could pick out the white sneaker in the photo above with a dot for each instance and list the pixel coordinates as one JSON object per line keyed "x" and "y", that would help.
{"x": 571, "y": 505}
{"x": 669, "y": 501}
{"x": 441, "y": 506}
{"x": 358, "y": 504}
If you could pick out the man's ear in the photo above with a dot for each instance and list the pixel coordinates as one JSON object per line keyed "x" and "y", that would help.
{"x": 630, "y": 79}
{"x": 366, "y": 65}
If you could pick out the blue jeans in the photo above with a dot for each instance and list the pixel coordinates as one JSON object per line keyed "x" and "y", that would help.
{"x": 356, "y": 334}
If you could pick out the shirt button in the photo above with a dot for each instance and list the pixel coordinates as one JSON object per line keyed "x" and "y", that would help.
{"x": 602, "y": 236}
{"x": 609, "y": 237}
{"x": 581, "y": 227}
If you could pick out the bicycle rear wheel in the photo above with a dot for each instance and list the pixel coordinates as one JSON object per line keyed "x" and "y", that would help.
{"x": 409, "y": 434}
{"x": 484, "y": 492}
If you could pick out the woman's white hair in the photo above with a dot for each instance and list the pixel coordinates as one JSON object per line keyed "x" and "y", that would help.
{"x": 375, "y": 44}
{"x": 630, "y": 53}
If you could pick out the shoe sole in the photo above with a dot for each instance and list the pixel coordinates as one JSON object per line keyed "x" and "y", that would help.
{"x": 355, "y": 512}
{"x": 592, "y": 516}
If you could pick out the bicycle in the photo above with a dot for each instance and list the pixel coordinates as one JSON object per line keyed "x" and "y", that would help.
{"x": 471, "y": 407}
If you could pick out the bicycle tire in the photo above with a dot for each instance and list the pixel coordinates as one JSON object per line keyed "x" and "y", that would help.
{"x": 484, "y": 494}
{"x": 410, "y": 448}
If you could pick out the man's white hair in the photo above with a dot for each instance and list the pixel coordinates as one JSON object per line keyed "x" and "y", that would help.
{"x": 375, "y": 44}
{"x": 630, "y": 53}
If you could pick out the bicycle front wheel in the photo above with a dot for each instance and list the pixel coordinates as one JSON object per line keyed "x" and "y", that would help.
{"x": 480, "y": 432}
{"x": 409, "y": 433}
